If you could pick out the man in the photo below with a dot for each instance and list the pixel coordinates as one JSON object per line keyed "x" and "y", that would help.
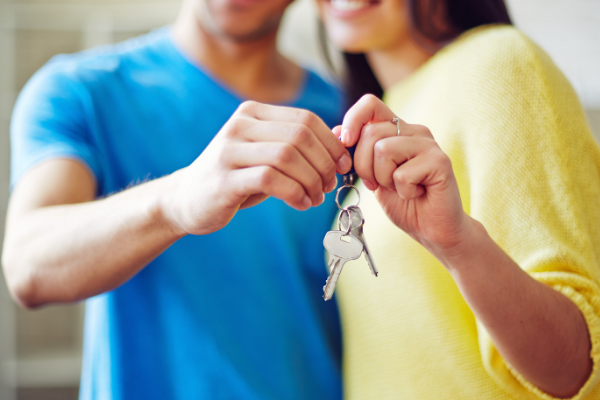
{"x": 140, "y": 180}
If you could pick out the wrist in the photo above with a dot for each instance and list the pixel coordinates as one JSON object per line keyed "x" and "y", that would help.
{"x": 165, "y": 209}
{"x": 468, "y": 243}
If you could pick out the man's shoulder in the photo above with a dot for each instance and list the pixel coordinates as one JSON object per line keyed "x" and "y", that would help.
{"x": 106, "y": 61}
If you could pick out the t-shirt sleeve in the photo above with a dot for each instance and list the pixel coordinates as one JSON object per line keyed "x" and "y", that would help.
{"x": 50, "y": 121}
{"x": 534, "y": 176}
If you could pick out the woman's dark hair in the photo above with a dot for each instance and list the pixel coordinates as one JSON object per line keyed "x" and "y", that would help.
{"x": 438, "y": 21}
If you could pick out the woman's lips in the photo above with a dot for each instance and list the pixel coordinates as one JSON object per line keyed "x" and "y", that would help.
{"x": 349, "y": 8}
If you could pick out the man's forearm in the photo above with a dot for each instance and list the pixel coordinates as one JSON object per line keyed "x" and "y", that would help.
{"x": 538, "y": 331}
{"x": 71, "y": 252}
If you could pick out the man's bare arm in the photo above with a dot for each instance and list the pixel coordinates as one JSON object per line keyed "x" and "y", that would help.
{"x": 62, "y": 246}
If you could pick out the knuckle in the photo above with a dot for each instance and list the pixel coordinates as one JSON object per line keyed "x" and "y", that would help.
{"x": 246, "y": 106}
{"x": 293, "y": 191}
{"x": 369, "y": 131}
{"x": 284, "y": 154}
{"x": 223, "y": 157}
{"x": 234, "y": 126}
{"x": 266, "y": 177}
{"x": 300, "y": 135}
{"x": 442, "y": 158}
{"x": 423, "y": 130}
{"x": 306, "y": 117}
{"x": 400, "y": 177}
{"x": 383, "y": 148}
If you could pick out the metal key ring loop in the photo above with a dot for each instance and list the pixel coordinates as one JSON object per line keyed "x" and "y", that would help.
{"x": 337, "y": 195}
{"x": 348, "y": 210}
{"x": 354, "y": 207}
{"x": 345, "y": 210}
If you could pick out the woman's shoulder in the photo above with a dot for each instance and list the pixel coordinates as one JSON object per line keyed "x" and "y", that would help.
{"x": 483, "y": 59}
{"x": 500, "y": 54}
{"x": 488, "y": 37}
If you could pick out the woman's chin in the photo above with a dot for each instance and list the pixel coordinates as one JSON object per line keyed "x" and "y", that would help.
{"x": 349, "y": 42}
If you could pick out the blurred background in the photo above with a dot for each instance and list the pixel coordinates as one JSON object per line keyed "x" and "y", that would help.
{"x": 40, "y": 351}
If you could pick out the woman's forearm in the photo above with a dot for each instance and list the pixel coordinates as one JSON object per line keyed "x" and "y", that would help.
{"x": 70, "y": 252}
{"x": 538, "y": 331}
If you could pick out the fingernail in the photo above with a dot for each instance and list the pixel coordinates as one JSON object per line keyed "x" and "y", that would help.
{"x": 306, "y": 203}
{"x": 369, "y": 184}
{"x": 345, "y": 163}
{"x": 321, "y": 199}
{"x": 345, "y": 136}
{"x": 331, "y": 185}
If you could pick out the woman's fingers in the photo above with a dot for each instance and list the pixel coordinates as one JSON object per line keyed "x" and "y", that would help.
{"x": 408, "y": 178}
{"x": 337, "y": 131}
{"x": 264, "y": 112}
{"x": 383, "y": 137}
{"x": 367, "y": 110}
{"x": 282, "y": 156}
{"x": 392, "y": 152}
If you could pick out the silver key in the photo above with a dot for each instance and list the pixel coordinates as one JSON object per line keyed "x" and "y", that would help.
{"x": 357, "y": 230}
{"x": 342, "y": 247}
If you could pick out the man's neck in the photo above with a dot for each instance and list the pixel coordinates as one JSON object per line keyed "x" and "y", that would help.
{"x": 253, "y": 69}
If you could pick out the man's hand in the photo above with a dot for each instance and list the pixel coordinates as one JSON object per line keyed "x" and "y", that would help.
{"x": 83, "y": 247}
{"x": 261, "y": 151}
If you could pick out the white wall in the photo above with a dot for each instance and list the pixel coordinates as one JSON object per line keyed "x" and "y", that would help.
{"x": 7, "y": 331}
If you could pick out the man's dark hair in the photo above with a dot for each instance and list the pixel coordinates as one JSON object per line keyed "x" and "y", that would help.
{"x": 438, "y": 21}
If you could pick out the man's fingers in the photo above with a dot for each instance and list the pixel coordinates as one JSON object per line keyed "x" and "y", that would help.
{"x": 269, "y": 181}
{"x": 265, "y": 112}
{"x": 391, "y": 152}
{"x": 282, "y": 156}
{"x": 368, "y": 109}
{"x": 303, "y": 139}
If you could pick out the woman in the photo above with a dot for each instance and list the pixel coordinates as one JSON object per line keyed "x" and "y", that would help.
{"x": 487, "y": 237}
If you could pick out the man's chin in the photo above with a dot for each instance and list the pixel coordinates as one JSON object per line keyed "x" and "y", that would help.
{"x": 245, "y": 35}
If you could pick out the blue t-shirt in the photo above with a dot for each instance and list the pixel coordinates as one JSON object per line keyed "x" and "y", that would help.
{"x": 237, "y": 314}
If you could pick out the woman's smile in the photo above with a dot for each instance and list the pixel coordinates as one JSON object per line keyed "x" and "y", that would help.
{"x": 350, "y": 8}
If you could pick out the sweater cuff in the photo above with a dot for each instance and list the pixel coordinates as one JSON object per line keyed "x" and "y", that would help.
{"x": 519, "y": 387}
{"x": 593, "y": 324}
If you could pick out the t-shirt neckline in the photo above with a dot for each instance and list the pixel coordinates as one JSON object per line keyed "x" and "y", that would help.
{"x": 195, "y": 71}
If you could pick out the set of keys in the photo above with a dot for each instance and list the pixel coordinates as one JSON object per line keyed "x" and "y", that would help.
{"x": 348, "y": 242}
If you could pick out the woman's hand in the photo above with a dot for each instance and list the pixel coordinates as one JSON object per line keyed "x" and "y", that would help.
{"x": 411, "y": 176}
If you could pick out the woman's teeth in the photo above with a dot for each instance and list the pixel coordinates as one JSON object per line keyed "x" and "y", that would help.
{"x": 348, "y": 5}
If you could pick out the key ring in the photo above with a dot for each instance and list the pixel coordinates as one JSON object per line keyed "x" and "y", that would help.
{"x": 337, "y": 196}
{"x": 345, "y": 210}
{"x": 349, "y": 210}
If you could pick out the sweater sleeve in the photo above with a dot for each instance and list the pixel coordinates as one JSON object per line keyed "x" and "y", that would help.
{"x": 534, "y": 182}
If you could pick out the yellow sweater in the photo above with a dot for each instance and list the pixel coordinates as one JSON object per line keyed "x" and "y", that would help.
{"x": 529, "y": 170}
